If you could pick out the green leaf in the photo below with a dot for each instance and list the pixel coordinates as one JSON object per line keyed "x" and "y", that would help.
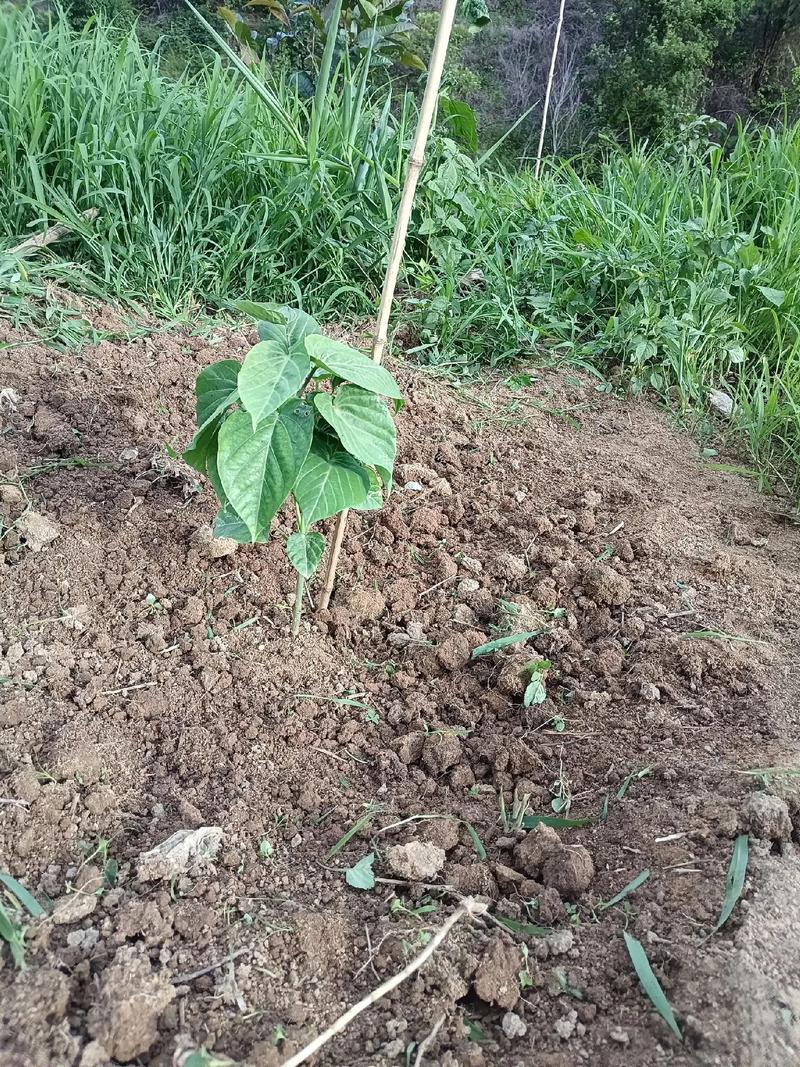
{"x": 258, "y": 468}
{"x": 305, "y": 551}
{"x": 14, "y": 936}
{"x": 652, "y": 986}
{"x": 361, "y": 875}
{"x": 26, "y": 899}
{"x": 363, "y": 424}
{"x": 215, "y": 389}
{"x": 374, "y": 501}
{"x": 529, "y": 929}
{"x": 228, "y": 524}
{"x": 504, "y": 642}
{"x": 463, "y": 124}
{"x": 476, "y": 841}
{"x": 775, "y": 296}
{"x": 535, "y": 691}
{"x": 260, "y": 312}
{"x": 273, "y": 371}
{"x": 634, "y": 883}
{"x": 203, "y": 445}
{"x": 734, "y": 883}
{"x": 298, "y": 325}
{"x": 330, "y": 481}
{"x": 353, "y": 366}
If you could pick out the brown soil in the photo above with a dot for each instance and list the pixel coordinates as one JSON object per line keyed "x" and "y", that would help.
{"x": 149, "y": 688}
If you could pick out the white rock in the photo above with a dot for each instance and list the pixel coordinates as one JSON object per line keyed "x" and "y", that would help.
{"x": 619, "y": 1035}
{"x": 73, "y": 908}
{"x": 467, "y": 586}
{"x": 417, "y": 861}
{"x": 565, "y": 1027}
{"x": 213, "y": 547}
{"x": 721, "y": 402}
{"x": 513, "y": 1026}
{"x": 560, "y": 941}
{"x": 180, "y": 852}
{"x": 37, "y": 530}
{"x": 649, "y": 692}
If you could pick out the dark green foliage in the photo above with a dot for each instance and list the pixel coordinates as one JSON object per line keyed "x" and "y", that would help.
{"x": 650, "y": 69}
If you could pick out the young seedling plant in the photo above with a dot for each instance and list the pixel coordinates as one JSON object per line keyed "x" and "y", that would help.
{"x": 302, "y": 417}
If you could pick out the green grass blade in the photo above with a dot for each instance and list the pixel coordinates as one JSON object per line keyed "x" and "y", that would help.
{"x": 517, "y": 927}
{"x": 14, "y": 937}
{"x": 26, "y": 899}
{"x": 504, "y": 642}
{"x": 476, "y": 841}
{"x": 650, "y": 984}
{"x": 359, "y": 825}
{"x": 634, "y": 884}
{"x": 734, "y": 883}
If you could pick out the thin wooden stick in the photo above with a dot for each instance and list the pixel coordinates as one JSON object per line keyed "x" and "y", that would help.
{"x": 415, "y": 163}
{"x": 55, "y": 233}
{"x": 549, "y": 89}
{"x": 425, "y": 1044}
{"x": 469, "y": 909}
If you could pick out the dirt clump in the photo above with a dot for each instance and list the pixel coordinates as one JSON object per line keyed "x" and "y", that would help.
{"x": 497, "y": 977}
{"x": 130, "y": 1001}
{"x": 418, "y": 861}
{"x": 569, "y": 870}
{"x": 767, "y": 816}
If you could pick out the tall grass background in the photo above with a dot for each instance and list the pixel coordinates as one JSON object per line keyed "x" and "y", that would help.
{"x": 670, "y": 269}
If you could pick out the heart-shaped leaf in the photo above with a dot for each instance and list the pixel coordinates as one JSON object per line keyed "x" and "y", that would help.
{"x": 361, "y": 875}
{"x": 273, "y": 371}
{"x": 362, "y": 422}
{"x": 305, "y": 551}
{"x": 330, "y": 481}
{"x": 216, "y": 389}
{"x": 257, "y": 468}
{"x": 298, "y": 325}
{"x": 346, "y": 362}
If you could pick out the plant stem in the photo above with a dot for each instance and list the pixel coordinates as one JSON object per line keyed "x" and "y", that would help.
{"x": 549, "y": 89}
{"x": 299, "y": 591}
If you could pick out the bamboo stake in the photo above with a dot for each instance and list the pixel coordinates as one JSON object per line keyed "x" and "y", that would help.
{"x": 549, "y": 89}
{"x": 415, "y": 163}
{"x": 469, "y": 909}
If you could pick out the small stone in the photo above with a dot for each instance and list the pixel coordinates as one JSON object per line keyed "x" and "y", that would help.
{"x": 128, "y": 455}
{"x": 94, "y": 1055}
{"x": 565, "y": 1027}
{"x": 513, "y": 1026}
{"x": 507, "y": 876}
{"x": 473, "y": 565}
{"x": 767, "y": 816}
{"x": 74, "y": 907}
{"x": 417, "y": 861}
{"x": 619, "y": 1035}
{"x": 467, "y": 586}
{"x": 180, "y": 852}
{"x": 465, "y": 616}
{"x": 37, "y": 530}
{"x": 213, "y": 547}
{"x": 721, "y": 402}
{"x": 649, "y": 692}
{"x": 568, "y": 870}
{"x": 560, "y": 941}
{"x": 534, "y": 848}
{"x": 497, "y": 977}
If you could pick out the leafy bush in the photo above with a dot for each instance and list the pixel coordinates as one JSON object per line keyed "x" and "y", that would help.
{"x": 269, "y": 429}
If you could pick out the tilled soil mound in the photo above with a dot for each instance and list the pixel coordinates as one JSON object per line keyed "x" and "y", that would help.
{"x": 150, "y": 687}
